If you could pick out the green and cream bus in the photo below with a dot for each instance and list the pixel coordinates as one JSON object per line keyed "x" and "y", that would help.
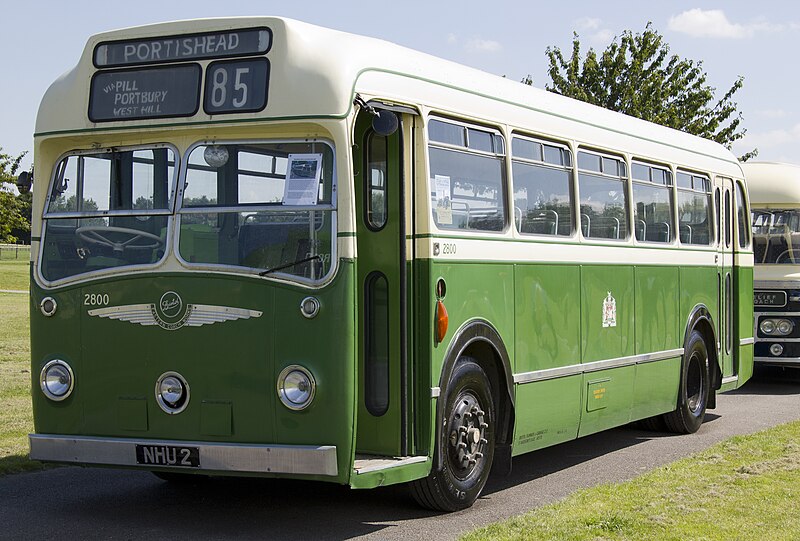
{"x": 265, "y": 248}
{"x": 775, "y": 198}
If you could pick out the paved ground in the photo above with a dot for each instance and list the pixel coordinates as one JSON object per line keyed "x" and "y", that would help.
{"x": 76, "y": 503}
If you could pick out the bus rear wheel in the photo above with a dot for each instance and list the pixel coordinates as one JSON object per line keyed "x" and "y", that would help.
{"x": 694, "y": 388}
{"x": 465, "y": 446}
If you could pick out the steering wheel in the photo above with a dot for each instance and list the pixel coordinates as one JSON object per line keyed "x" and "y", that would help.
{"x": 787, "y": 254}
{"x": 96, "y": 234}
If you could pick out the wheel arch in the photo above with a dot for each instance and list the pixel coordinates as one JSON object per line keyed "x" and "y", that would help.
{"x": 479, "y": 339}
{"x": 700, "y": 319}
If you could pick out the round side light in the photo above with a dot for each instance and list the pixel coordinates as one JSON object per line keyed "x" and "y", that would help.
{"x": 309, "y": 307}
{"x": 48, "y": 306}
{"x": 776, "y": 349}
{"x": 57, "y": 380}
{"x": 296, "y": 387}
{"x": 172, "y": 392}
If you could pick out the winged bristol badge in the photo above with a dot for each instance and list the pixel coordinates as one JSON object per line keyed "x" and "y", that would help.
{"x": 170, "y": 314}
{"x": 609, "y": 311}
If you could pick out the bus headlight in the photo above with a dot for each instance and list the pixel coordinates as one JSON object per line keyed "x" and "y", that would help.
{"x": 57, "y": 380}
{"x": 296, "y": 387}
{"x": 785, "y": 327}
{"x": 172, "y": 392}
{"x": 781, "y": 327}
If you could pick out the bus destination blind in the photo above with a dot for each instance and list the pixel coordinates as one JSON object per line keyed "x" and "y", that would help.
{"x": 251, "y": 41}
{"x": 145, "y": 93}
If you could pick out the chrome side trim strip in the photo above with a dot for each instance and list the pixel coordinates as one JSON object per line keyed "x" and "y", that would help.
{"x": 575, "y": 369}
{"x": 747, "y": 341}
{"x": 250, "y": 458}
{"x": 435, "y": 392}
{"x": 730, "y": 379}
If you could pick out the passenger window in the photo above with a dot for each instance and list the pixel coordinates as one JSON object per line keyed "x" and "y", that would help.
{"x": 542, "y": 195}
{"x": 652, "y": 200}
{"x": 376, "y": 207}
{"x": 603, "y": 198}
{"x": 741, "y": 217}
{"x": 467, "y": 184}
{"x": 728, "y": 219}
{"x": 694, "y": 209}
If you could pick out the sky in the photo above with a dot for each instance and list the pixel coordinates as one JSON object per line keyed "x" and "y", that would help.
{"x": 42, "y": 39}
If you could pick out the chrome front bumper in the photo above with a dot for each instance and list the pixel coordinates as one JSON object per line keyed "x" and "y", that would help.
{"x": 778, "y": 361}
{"x": 221, "y": 457}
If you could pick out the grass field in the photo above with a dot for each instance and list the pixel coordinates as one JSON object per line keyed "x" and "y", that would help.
{"x": 745, "y": 488}
{"x": 14, "y": 274}
{"x": 16, "y": 419}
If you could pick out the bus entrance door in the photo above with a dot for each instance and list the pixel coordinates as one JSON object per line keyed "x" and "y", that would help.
{"x": 723, "y": 195}
{"x": 381, "y": 282}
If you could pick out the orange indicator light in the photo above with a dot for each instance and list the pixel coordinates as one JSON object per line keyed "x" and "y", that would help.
{"x": 441, "y": 321}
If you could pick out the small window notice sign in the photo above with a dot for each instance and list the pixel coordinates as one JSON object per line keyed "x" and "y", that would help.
{"x": 302, "y": 179}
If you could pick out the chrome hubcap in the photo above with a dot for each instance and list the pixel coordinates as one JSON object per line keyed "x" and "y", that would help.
{"x": 467, "y": 428}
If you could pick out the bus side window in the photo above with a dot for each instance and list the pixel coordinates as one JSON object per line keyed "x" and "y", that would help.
{"x": 542, "y": 196}
{"x": 604, "y": 197}
{"x": 652, "y": 200}
{"x": 694, "y": 209}
{"x": 741, "y": 217}
{"x": 467, "y": 177}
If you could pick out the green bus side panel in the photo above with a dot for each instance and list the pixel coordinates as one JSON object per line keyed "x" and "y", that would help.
{"x": 547, "y": 335}
{"x": 547, "y": 413}
{"x": 743, "y": 279}
{"x": 607, "y": 399}
{"x": 231, "y": 367}
{"x": 658, "y": 328}
{"x": 474, "y": 290}
{"x": 699, "y": 285}
{"x": 656, "y": 388}
{"x": 657, "y": 304}
{"x": 547, "y": 301}
{"x": 602, "y": 338}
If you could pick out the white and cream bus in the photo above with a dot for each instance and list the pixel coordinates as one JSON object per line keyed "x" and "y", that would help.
{"x": 775, "y": 200}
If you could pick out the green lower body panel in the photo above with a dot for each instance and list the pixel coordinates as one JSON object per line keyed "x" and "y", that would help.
{"x": 547, "y": 413}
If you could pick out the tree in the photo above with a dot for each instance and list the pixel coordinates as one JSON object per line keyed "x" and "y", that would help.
{"x": 15, "y": 210}
{"x": 637, "y": 76}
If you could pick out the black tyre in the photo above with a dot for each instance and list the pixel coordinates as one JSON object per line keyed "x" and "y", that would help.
{"x": 653, "y": 424}
{"x": 465, "y": 442}
{"x": 694, "y": 388}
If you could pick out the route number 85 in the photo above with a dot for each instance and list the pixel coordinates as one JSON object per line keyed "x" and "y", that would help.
{"x": 219, "y": 90}
{"x": 236, "y": 86}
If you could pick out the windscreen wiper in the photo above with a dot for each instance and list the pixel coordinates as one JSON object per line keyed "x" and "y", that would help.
{"x": 298, "y": 262}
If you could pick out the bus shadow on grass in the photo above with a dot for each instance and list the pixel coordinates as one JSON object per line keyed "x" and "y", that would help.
{"x": 12, "y": 464}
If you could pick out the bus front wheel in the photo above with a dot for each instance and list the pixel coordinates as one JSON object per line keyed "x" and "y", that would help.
{"x": 465, "y": 446}
{"x": 694, "y": 388}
